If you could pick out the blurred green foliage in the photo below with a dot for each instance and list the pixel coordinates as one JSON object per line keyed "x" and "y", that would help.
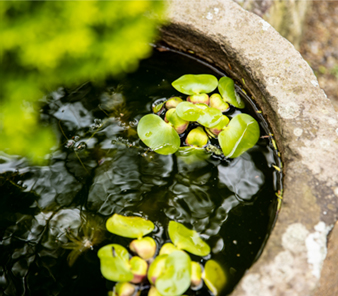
{"x": 47, "y": 44}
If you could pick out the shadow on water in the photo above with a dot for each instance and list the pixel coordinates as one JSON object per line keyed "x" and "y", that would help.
{"x": 51, "y": 213}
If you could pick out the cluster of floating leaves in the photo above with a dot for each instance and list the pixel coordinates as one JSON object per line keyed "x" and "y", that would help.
{"x": 171, "y": 272}
{"x": 204, "y": 113}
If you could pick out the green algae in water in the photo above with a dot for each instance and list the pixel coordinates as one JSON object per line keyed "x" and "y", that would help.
{"x": 101, "y": 168}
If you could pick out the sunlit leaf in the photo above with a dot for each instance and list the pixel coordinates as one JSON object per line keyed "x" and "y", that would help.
{"x": 217, "y": 102}
{"x": 195, "y": 84}
{"x": 144, "y": 247}
{"x": 156, "y": 268}
{"x": 199, "y": 99}
{"x": 175, "y": 279}
{"x": 167, "y": 248}
{"x": 139, "y": 268}
{"x": 114, "y": 263}
{"x": 196, "y": 275}
{"x": 197, "y": 137}
{"x": 188, "y": 111}
{"x": 158, "y": 135}
{"x": 173, "y": 102}
{"x": 133, "y": 227}
{"x": 241, "y": 134}
{"x": 215, "y": 130}
{"x": 157, "y": 107}
{"x": 124, "y": 289}
{"x": 177, "y": 122}
{"x": 214, "y": 277}
{"x": 186, "y": 239}
{"x": 210, "y": 117}
{"x": 226, "y": 88}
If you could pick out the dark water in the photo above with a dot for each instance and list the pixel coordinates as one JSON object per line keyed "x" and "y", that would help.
{"x": 101, "y": 168}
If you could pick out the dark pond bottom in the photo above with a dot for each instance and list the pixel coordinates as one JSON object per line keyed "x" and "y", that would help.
{"x": 101, "y": 168}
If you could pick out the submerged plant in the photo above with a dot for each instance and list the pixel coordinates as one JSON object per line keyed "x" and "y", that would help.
{"x": 169, "y": 273}
{"x": 235, "y": 136}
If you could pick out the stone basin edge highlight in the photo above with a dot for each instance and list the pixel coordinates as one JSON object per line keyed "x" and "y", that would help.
{"x": 304, "y": 124}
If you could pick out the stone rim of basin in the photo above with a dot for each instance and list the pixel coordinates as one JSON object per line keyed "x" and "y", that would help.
{"x": 304, "y": 124}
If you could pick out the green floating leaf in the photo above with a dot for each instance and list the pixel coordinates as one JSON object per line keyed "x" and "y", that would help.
{"x": 215, "y": 130}
{"x": 186, "y": 239}
{"x": 188, "y": 111}
{"x": 226, "y": 88}
{"x": 214, "y": 277}
{"x": 156, "y": 268}
{"x": 144, "y": 247}
{"x": 132, "y": 227}
{"x": 196, "y": 275}
{"x": 157, "y": 107}
{"x": 216, "y": 101}
{"x": 210, "y": 117}
{"x": 114, "y": 263}
{"x": 124, "y": 289}
{"x": 158, "y": 135}
{"x": 177, "y": 122}
{"x": 241, "y": 134}
{"x": 139, "y": 269}
{"x": 175, "y": 279}
{"x": 195, "y": 84}
{"x": 197, "y": 137}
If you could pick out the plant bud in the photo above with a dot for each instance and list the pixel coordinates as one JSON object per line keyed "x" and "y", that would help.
{"x": 197, "y": 137}
{"x": 144, "y": 247}
{"x": 178, "y": 123}
{"x": 167, "y": 249}
{"x": 156, "y": 268}
{"x": 196, "y": 276}
{"x": 154, "y": 292}
{"x": 173, "y": 102}
{"x": 199, "y": 99}
{"x": 158, "y": 107}
{"x": 124, "y": 289}
{"x": 215, "y": 130}
{"x": 217, "y": 102}
{"x": 139, "y": 269}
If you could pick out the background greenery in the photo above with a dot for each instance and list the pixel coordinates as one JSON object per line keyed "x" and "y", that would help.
{"x": 48, "y": 44}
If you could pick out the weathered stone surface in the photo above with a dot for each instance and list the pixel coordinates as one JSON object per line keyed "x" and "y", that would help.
{"x": 304, "y": 124}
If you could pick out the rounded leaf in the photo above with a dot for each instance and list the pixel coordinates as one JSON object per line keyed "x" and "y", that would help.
{"x": 199, "y": 99}
{"x": 173, "y": 102}
{"x": 196, "y": 275}
{"x": 217, "y": 102}
{"x": 195, "y": 84}
{"x": 132, "y": 227}
{"x": 188, "y": 111}
{"x": 144, "y": 247}
{"x": 214, "y": 277}
{"x": 167, "y": 248}
{"x": 139, "y": 269}
{"x": 114, "y": 263}
{"x": 197, "y": 137}
{"x": 226, "y": 88}
{"x": 186, "y": 239}
{"x": 210, "y": 117}
{"x": 156, "y": 268}
{"x": 177, "y": 122}
{"x": 215, "y": 130}
{"x": 124, "y": 289}
{"x": 158, "y": 135}
{"x": 175, "y": 279}
{"x": 241, "y": 134}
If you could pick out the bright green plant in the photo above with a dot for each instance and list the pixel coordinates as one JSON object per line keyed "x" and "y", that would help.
{"x": 235, "y": 136}
{"x": 51, "y": 44}
{"x": 170, "y": 273}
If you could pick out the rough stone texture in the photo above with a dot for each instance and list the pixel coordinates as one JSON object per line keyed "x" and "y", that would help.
{"x": 329, "y": 279}
{"x": 287, "y": 17}
{"x": 304, "y": 124}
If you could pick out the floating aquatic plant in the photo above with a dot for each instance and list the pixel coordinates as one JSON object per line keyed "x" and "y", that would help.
{"x": 235, "y": 136}
{"x": 169, "y": 273}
